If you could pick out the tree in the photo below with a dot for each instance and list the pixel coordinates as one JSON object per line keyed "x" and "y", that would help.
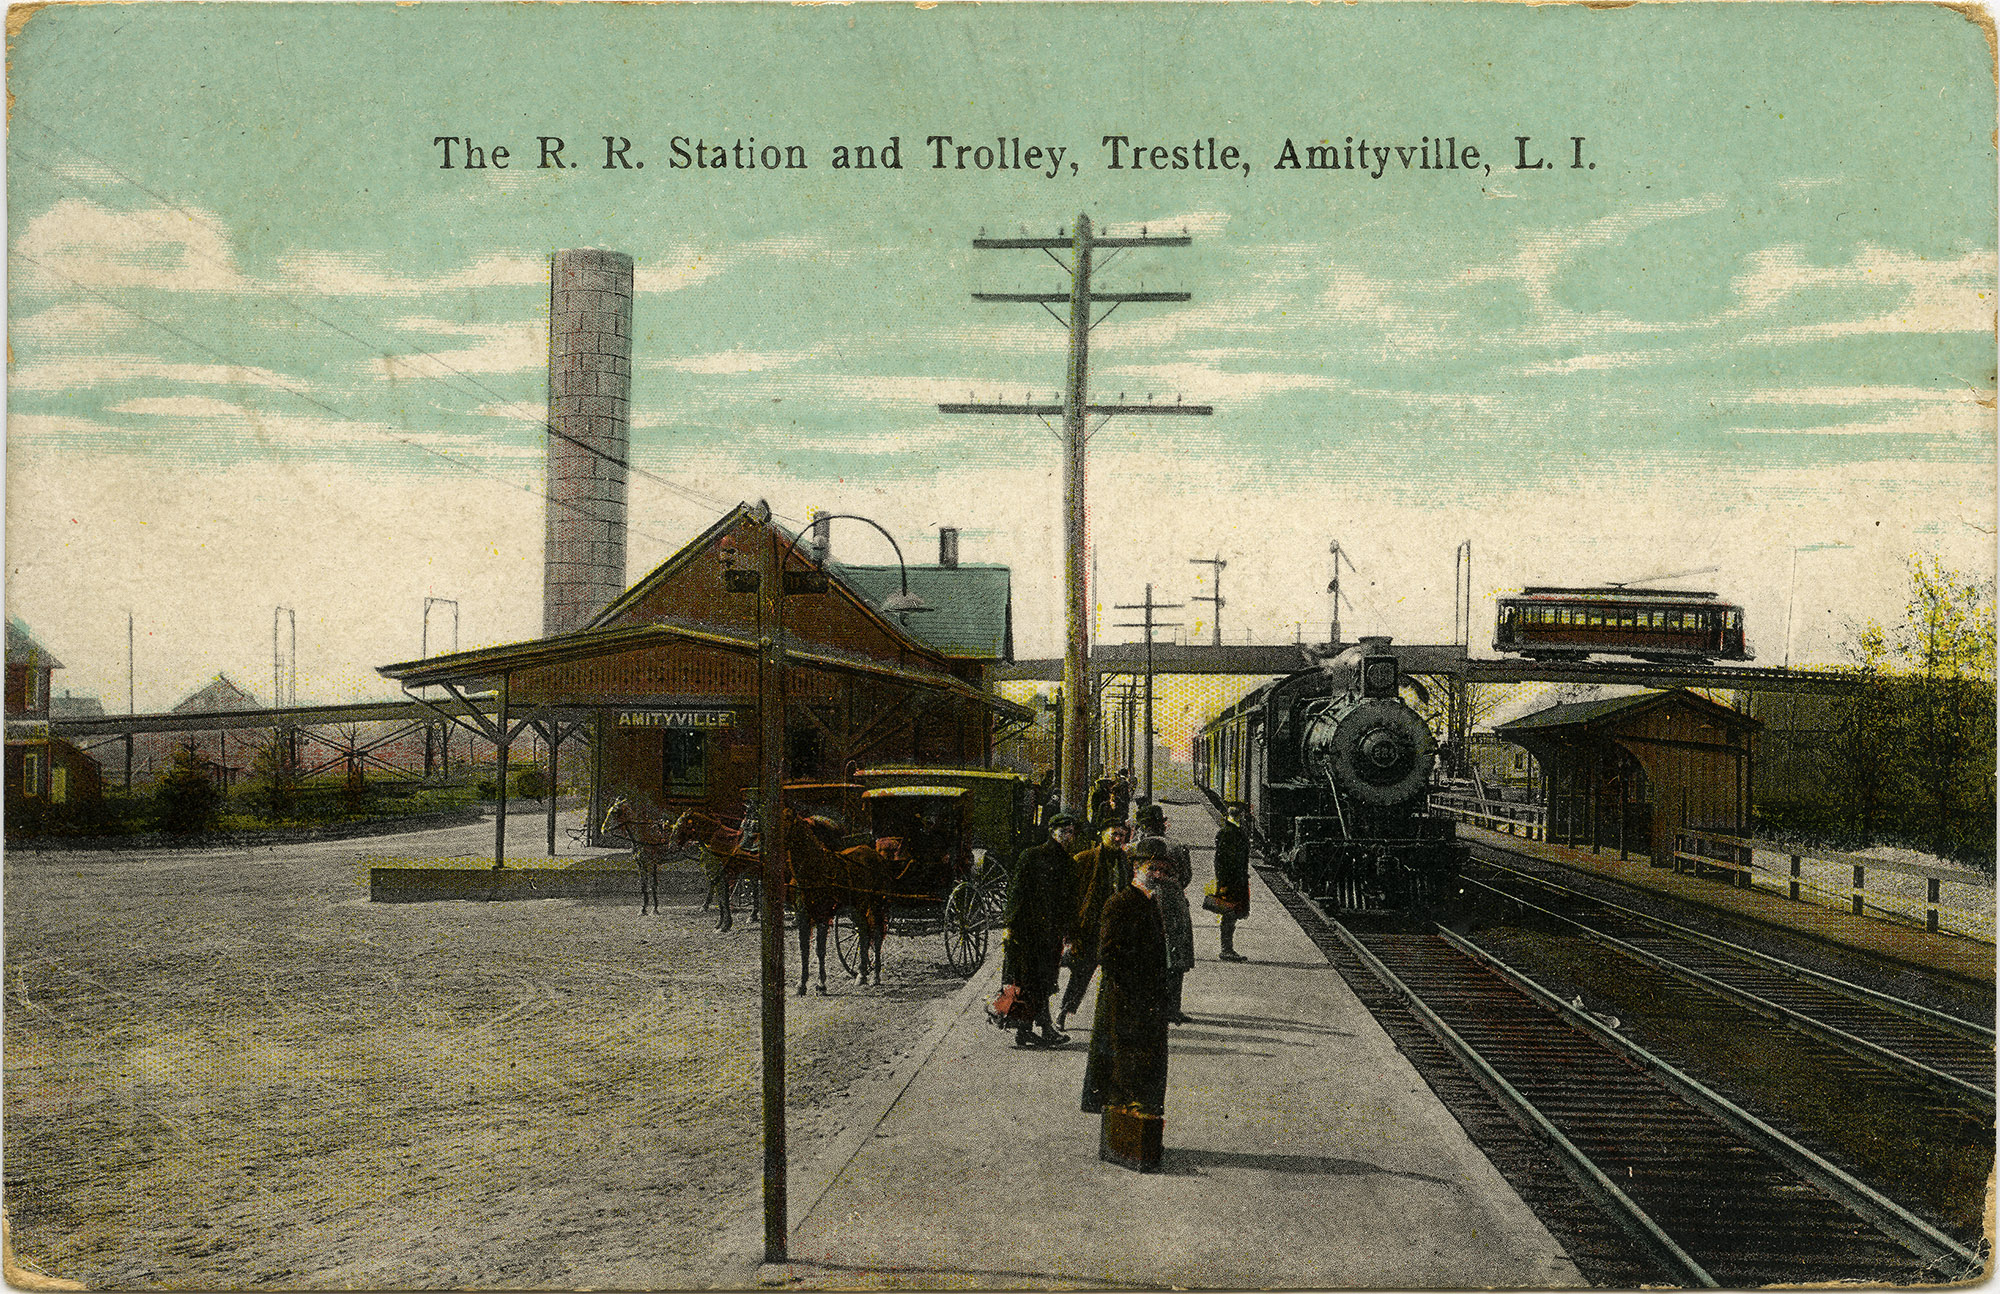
{"x": 1912, "y": 745}
{"x": 1946, "y": 644}
{"x": 274, "y": 791}
{"x": 1861, "y": 746}
{"x": 188, "y": 801}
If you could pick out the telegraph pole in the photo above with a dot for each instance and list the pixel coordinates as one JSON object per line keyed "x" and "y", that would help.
{"x": 1217, "y": 562}
{"x": 1334, "y": 588}
{"x": 1149, "y": 624}
{"x": 1075, "y": 409}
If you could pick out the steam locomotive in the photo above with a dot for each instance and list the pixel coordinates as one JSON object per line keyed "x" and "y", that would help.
{"x": 1335, "y": 768}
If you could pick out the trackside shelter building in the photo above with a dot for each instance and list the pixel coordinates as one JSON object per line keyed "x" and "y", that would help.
{"x": 1632, "y": 773}
{"x": 662, "y": 682}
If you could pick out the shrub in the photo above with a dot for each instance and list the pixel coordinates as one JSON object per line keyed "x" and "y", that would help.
{"x": 531, "y": 784}
{"x": 188, "y": 800}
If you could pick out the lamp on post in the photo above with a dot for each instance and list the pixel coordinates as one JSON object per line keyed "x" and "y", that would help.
{"x": 772, "y": 580}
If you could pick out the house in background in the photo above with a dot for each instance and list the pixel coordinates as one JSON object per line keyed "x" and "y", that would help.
{"x": 42, "y": 769}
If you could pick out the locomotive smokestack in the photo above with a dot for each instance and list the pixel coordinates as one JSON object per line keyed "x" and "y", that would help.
{"x": 590, "y": 388}
{"x": 948, "y": 547}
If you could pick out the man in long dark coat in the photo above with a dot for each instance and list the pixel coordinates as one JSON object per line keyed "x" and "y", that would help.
{"x": 1100, "y": 873}
{"x": 1232, "y": 877}
{"x": 1041, "y": 904}
{"x": 1128, "y": 1035}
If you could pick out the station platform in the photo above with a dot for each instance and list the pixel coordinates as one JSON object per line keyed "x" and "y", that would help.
{"x": 1968, "y": 960}
{"x": 1302, "y": 1151}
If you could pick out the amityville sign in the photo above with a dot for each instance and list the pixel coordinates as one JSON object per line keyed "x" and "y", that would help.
{"x": 709, "y": 717}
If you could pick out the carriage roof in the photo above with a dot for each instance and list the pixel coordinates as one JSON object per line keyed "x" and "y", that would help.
{"x": 916, "y": 792}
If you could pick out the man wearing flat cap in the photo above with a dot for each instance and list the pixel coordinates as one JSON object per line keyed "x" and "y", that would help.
{"x": 1040, "y": 907}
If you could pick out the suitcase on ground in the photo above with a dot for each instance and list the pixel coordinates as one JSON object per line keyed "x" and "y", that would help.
{"x": 1131, "y": 1139}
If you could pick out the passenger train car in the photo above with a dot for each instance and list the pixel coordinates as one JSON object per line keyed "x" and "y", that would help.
{"x": 1658, "y": 625}
{"x": 1336, "y": 769}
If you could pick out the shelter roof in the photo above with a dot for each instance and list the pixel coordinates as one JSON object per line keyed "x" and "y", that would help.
{"x": 974, "y": 615}
{"x": 22, "y": 647}
{"x": 1608, "y": 710}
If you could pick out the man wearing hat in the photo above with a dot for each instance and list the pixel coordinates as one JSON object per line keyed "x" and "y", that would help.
{"x": 1232, "y": 876}
{"x": 1175, "y": 918}
{"x": 1040, "y": 905}
{"x": 1127, "y": 1067}
{"x": 1100, "y": 872}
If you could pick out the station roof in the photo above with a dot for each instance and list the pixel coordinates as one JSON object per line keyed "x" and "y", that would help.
{"x": 23, "y": 649}
{"x": 490, "y": 663}
{"x": 1584, "y": 714}
{"x": 974, "y": 615}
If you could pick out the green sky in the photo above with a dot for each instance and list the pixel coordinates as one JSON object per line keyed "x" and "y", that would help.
{"x": 265, "y": 350}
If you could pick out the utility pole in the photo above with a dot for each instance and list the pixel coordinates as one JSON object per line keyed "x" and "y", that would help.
{"x": 1217, "y": 562}
{"x": 1074, "y": 408}
{"x": 1333, "y": 643}
{"x": 1149, "y": 624}
{"x": 130, "y": 708}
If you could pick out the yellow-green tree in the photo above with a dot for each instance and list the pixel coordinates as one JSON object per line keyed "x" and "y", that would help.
{"x": 1945, "y": 644}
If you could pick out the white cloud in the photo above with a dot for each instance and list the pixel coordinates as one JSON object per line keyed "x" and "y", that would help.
{"x": 73, "y": 372}
{"x": 183, "y": 406}
{"x": 1198, "y": 383}
{"x": 1602, "y": 360}
{"x": 1937, "y": 296}
{"x": 343, "y": 274}
{"x": 729, "y": 361}
{"x": 519, "y": 411}
{"x": 514, "y": 347}
{"x": 78, "y": 242}
{"x": 79, "y": 321}
{"x": 1863, "y": 395}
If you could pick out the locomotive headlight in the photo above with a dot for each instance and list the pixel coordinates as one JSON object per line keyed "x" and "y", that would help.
{"x": 1378, "y": 677}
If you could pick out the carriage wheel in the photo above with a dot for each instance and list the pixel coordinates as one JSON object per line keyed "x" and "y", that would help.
{"x": 964, "y": 928}
{"x": 992, "y": 898}
{"x": 847, "y": 943}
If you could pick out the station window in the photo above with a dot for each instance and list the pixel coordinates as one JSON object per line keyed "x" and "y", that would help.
{"x": 684, "y": 763}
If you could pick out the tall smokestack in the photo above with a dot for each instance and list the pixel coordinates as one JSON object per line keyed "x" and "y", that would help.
{"x": 590, "y": 388}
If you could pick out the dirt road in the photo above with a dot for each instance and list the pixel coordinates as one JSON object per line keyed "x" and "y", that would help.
{"x": 229, "y": 1069}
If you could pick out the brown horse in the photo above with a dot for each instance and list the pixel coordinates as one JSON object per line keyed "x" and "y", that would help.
{"x": 826, "y": 878}
{"x": 652, "y": 843}
{"x": 724, "y": 860}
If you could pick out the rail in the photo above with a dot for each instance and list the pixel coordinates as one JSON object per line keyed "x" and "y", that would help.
{"x": 1939, "y": 897}
{"x": 1528, "y": 821}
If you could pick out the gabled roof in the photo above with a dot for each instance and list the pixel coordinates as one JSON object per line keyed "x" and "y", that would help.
{"x": 22, "y": 647}
{"x": 75, "y": 707}
{"x": 218, "y": 695}
{"x": 616, "y": 609}
{"x": 1579, "y": 714}
{"x": 974, "y": 616}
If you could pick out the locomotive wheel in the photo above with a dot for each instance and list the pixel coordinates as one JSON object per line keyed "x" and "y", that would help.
{"x": 964, "y": 928}
{"x": 847, "y": 943}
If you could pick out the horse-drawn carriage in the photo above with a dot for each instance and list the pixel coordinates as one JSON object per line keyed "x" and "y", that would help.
{"x": 948, "y": 837}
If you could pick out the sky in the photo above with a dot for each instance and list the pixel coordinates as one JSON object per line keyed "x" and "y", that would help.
{"x": 265, "y": 350}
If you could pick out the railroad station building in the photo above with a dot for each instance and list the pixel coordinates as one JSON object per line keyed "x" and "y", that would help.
{"x": 662, "y": 682}
{"x": 1632, "y": 773}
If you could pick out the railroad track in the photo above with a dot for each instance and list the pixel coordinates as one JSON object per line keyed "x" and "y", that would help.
{"x": 1952, "y": 1055}
{"x": 1703, "y": 1192}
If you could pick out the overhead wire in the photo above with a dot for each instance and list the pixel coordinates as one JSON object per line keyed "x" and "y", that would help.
{"x": 685, "y": 492}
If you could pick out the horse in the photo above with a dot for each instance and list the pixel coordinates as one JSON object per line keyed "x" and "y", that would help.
{"x": 724, "y": 861}
{"x": 652, "y": 843}
{"x": 824, "y": 878}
